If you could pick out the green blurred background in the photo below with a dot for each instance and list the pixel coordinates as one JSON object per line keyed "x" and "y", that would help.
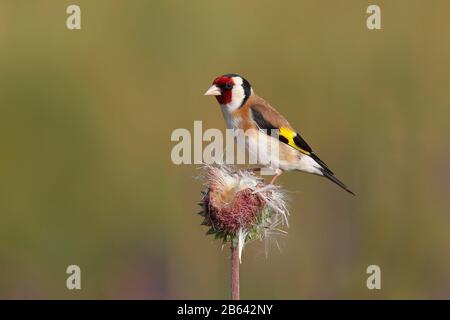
{"x": 85, "y": 168}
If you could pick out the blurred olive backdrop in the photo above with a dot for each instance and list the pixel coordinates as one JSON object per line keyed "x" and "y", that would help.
{"x": 85, "y": 124}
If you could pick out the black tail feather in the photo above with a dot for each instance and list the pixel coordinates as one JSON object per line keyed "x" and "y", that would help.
{"x": 328, "y": 174}
{"x": 319, "y": 161}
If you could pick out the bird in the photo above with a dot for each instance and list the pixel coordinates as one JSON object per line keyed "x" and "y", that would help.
{"x": 243, "y": 109}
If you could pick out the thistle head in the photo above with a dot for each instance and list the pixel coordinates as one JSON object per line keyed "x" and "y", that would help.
{"x": 238, "y": 207}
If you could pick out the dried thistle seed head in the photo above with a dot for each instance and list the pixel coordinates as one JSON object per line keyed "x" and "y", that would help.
{"x": 230, "y": 210}
{"x": 238, "y": 207}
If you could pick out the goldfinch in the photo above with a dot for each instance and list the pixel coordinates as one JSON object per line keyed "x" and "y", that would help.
{"x": 243, "y": 109}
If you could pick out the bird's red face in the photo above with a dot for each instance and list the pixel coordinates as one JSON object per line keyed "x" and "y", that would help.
{"x": 230, "y": 90}
{"x": 222, "y": 88}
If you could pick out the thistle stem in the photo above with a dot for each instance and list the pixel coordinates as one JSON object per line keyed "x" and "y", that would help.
{"x": 234, "y": 273}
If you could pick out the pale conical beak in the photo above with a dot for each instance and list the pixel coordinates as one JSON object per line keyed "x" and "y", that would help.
{"x": 213, "y": 91}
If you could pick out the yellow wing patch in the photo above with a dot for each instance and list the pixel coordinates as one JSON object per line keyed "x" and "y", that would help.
{"x": 287, "y": 136}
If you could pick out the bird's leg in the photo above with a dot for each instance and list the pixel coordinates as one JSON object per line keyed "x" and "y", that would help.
{"x": 277, "y": 174}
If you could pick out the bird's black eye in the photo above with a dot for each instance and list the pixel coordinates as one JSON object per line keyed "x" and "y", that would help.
{"x": 228, "y": 86}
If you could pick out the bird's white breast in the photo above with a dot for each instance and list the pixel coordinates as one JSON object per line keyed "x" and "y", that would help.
{"x": 231, "y": 121}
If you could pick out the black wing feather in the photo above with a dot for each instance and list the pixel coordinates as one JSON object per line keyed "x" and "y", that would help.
{"x": 261, "y": 121}
{"x": 299, "y": 142}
